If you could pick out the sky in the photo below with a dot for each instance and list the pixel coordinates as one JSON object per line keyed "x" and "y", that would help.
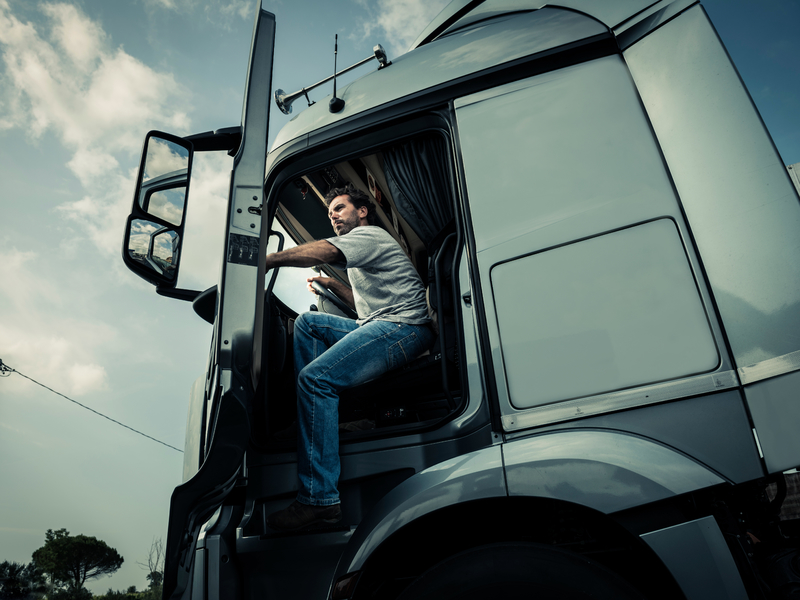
{"x": 81, "y": 83}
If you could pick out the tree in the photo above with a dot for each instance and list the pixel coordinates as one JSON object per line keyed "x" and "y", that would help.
{"x": 11, "y": 586}
{"x": 155, "y": 568}
{"x": 18, "y": 581}
{"x": 130, "y": 594}
{"x": 72, "y": 560}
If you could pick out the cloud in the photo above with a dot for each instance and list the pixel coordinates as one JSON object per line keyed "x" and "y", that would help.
{"x": 221, "y": 13}
{"x": 63, "y": 76}
{"x": 86, "y": 378}
{"x": 242, "y": 9}
{"x": 397, "y": 22}
{"x": 39, "y": 339}
{"x": 77, "y": 35}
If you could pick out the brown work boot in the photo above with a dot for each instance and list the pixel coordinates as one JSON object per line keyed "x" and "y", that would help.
{"x": 298, "y": 515}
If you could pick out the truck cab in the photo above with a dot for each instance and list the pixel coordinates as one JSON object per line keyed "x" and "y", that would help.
{"x": 608, "y": 239}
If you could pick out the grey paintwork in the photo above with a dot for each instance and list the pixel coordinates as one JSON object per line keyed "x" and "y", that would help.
{"x": 472, "y": 476}
{"x": 194, "y": 429}
{"x": 713, "y": 429}
{"x": 605, "y": 470}
{"x": 794, "y": 175}
{"x": 449, "y": 58}
{"x": 775, "y": 408}
{"x": 632, "y": 30}
{"x": 740, "y": 204}
{"x": 536, "y": 130}
{"x": 698, "y": 558}
{"x": 616, "y": 311}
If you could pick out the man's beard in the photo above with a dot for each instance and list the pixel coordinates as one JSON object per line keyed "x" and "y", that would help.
{"x": 346, "y": 227}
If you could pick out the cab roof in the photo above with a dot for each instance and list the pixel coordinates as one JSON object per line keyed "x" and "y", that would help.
{"x": 467, "y": 37}
{"x": 610, "y": 13}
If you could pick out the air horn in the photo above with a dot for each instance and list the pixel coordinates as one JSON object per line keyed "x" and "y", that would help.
{"x": 284, "y": 100}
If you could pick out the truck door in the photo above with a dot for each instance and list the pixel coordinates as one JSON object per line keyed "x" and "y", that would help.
{"x": 234, "y": 366}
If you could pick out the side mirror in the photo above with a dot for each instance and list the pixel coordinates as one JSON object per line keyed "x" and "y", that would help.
{"x": 154, "y": 230}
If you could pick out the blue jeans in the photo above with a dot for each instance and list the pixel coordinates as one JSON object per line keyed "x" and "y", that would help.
{"x": 331, "y": 354}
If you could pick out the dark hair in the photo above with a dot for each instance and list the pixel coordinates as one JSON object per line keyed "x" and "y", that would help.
{"x": 357, "y": 199}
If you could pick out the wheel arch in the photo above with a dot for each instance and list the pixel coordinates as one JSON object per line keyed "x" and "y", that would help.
{"x": 510, "y": 493}
{"x": 445, "y": 532}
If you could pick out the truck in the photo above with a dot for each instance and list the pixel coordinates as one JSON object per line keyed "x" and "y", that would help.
{"x": 608, "y": 239}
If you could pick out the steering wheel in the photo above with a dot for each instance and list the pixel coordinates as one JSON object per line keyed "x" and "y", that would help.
{"x": 334, "y": 299}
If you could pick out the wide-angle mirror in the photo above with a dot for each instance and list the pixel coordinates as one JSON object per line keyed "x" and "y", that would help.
{"x": 155, "y": 247}
{"x": 164, "y": 177}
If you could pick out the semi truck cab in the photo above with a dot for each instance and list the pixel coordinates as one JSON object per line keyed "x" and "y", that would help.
{"x": 608, "y": 239}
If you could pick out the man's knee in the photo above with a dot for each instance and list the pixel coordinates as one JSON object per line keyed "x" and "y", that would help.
{"x": 305, "y": 378}
{"x": 303, "y": 321}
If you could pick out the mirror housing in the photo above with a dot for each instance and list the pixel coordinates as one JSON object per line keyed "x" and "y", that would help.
{"x": 154, "y": 229}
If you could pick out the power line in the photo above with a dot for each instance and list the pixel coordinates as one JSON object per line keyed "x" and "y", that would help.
{"x": 5, "y": 371}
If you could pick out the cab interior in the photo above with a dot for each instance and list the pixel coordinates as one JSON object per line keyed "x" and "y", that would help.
{"x": 411, "y": 184}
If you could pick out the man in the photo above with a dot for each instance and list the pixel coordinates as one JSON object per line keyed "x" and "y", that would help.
{"x": 332, "y": 353}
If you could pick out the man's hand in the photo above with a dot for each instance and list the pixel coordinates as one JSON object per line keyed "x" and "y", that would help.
{"x": 336, "y": 286}
{"x": 319, "y": 280}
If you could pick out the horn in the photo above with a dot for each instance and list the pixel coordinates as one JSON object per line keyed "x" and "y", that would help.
{"x": 284, "y": 100}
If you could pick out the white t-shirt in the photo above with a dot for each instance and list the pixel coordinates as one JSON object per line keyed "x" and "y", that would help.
{"x": 386, "y": 286}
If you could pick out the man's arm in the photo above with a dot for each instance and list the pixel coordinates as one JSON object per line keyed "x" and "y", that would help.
{"x": 307, "y": 255}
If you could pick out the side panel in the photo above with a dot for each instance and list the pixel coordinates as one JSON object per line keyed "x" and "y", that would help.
{"x": 775, "y": 407}
{"x": 594, "y": 299}
{"x": 739, "y": 201}
{"x": 714, "y": 430}
{"x": 615, "y": 311}
{"x": 698, "y": 557}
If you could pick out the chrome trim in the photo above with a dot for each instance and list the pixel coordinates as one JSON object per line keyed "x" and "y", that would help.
{"x": 758, "y": 443}
{"x": 772, "y": 367}
{"x": 603, "y": 403}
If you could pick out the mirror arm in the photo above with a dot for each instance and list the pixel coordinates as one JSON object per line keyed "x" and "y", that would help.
{"x": 178, "y": 294}
{"x": 227, "y": 138}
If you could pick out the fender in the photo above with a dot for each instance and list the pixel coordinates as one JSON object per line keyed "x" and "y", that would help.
{"x": 605, "y": 470}
{"x": 472, "y": 476}
{"x": 600, "y": 469}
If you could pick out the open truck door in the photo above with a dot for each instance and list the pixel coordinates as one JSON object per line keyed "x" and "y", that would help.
{"x": 213, "y": 460}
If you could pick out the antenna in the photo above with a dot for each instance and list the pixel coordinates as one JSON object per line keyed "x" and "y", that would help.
{"x": 336, "y": 104}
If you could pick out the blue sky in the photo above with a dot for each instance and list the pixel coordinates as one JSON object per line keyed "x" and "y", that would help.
{"x": 81, "y": 82}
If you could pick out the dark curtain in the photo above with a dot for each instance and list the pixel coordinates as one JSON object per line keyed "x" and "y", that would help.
{"x": 417, "y": 175}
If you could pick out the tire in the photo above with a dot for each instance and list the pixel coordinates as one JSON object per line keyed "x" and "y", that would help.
{"x": 517, "y": 571}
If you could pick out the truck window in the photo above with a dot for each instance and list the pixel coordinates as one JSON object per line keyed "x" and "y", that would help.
{"x": 290, "y": 286}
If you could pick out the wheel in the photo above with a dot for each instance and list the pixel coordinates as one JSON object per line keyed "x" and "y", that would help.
{"x": 516, "y": 571}
{"x": 334, "y": 299}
